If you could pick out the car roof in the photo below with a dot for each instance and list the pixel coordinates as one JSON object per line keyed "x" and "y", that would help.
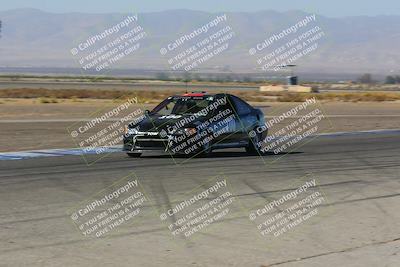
{"x": 200, "y": 94}
{"x": 195, "y": 94}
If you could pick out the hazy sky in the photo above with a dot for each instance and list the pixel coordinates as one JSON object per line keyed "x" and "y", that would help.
{"x": 324, "y": 7}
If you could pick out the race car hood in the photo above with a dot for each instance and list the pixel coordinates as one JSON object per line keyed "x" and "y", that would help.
{"x": 169, "y": 123}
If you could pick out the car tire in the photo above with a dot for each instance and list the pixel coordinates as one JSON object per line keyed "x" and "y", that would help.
{"x": 206, "y": 150}
{"x": 252, "y": 147}
{"x": 134, "y": 155}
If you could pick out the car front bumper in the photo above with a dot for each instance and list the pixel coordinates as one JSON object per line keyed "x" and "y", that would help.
{"x": 145, "y": 142}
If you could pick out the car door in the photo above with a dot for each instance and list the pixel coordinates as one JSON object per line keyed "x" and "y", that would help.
{"x": 224, "y": 123}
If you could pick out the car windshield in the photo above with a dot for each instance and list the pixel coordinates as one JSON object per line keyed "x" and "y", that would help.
{"x": 181, "y": 105}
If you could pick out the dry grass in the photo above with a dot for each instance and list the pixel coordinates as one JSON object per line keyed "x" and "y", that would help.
{"x": 46, "y": 100}
{"x": 151, "y": 96}
{"x": 333, "y": 96}
{"x": 76, "y": 95}
{"x": 66, "y": 94}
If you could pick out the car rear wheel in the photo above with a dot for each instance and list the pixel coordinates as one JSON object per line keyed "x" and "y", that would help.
{"x": 252, "y": 148}
{"x": 203, "y": 151}
{"x": 134, "y": 155}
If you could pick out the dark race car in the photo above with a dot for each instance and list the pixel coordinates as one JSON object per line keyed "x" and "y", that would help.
{"x": 196, "y": 123}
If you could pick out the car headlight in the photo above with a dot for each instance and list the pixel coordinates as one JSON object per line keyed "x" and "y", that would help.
{"x": 130, "y": 131}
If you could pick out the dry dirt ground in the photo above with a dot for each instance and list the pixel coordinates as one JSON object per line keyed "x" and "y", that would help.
{"x": 28, "y": 124}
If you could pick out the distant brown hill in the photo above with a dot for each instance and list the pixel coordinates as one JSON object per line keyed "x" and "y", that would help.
{"x": 352, "y": 44}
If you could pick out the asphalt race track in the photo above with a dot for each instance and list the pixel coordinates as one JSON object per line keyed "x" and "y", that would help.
{"x": 358, "y": 224}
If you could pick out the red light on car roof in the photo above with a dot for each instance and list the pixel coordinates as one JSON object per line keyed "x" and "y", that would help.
{"x": 194, "y": 94}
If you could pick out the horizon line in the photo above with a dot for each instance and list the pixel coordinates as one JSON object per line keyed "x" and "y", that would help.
{"x": 194, "y": 10}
